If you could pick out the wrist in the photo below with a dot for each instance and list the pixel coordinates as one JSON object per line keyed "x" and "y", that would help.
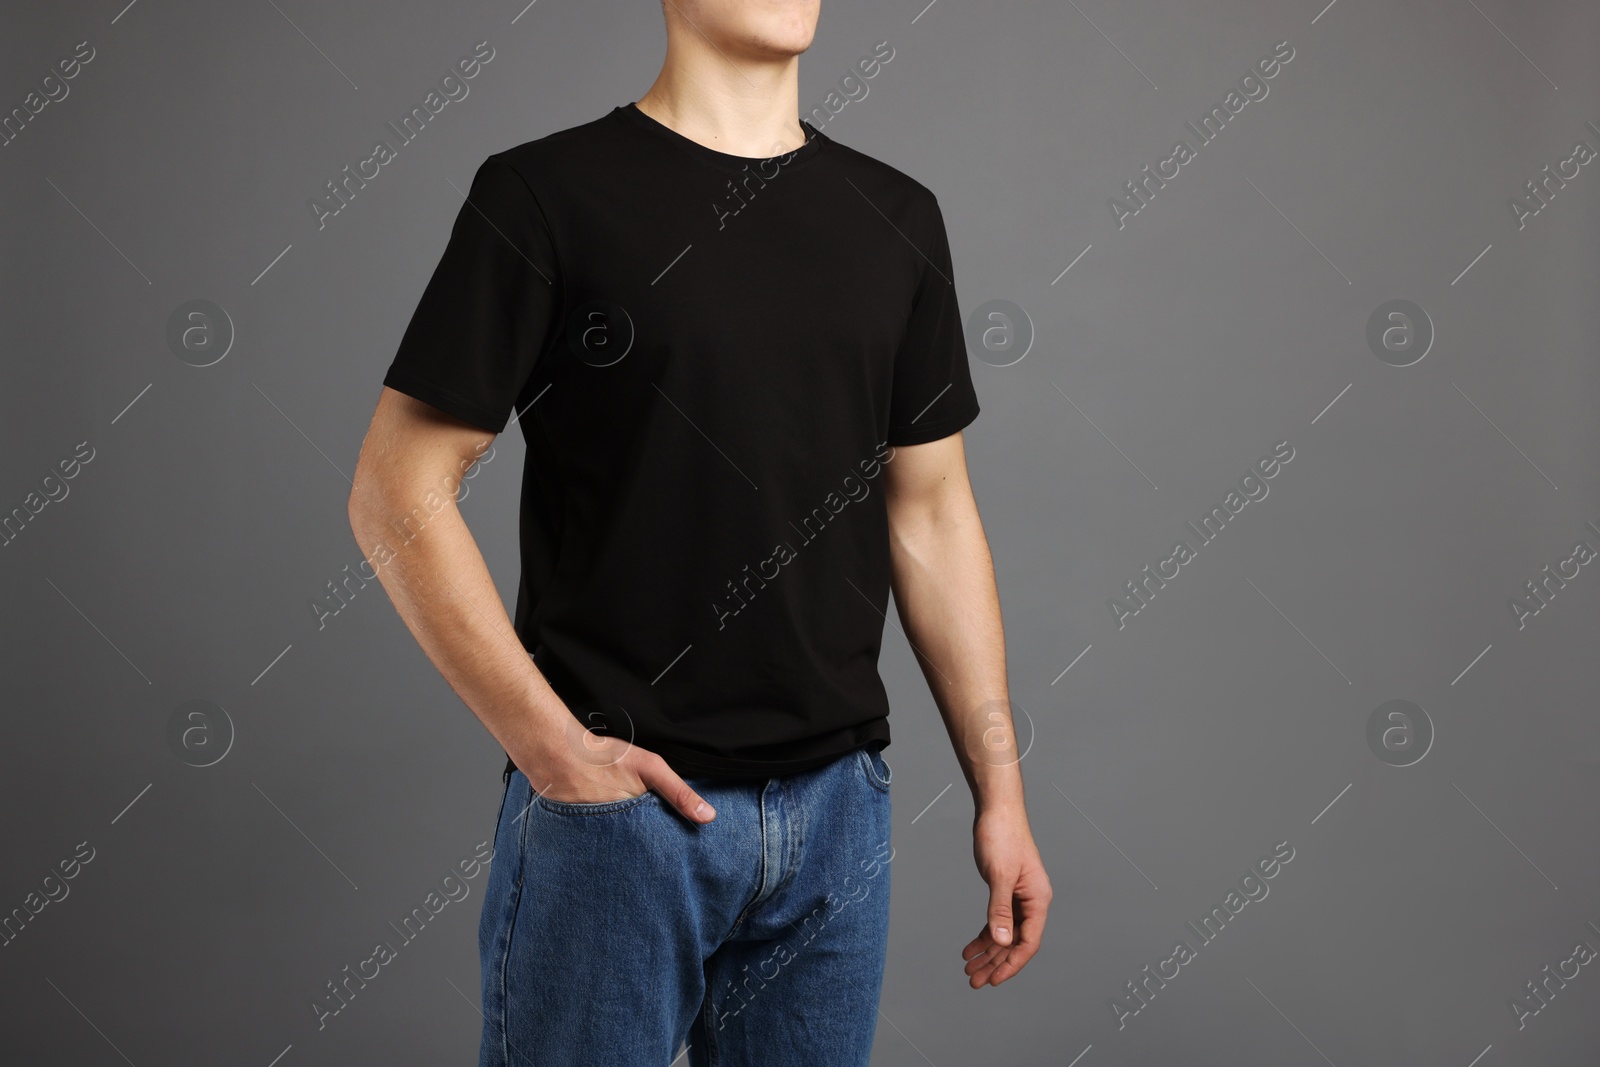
{"x": 1000, "y": 809}
{"x": 996, "y": 786}
{"x": 997, "y": 793}
{"x": 540, "y": 736}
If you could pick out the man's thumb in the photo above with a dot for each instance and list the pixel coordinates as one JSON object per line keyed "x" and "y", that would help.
{"x": 1000, "y": 912}
{"x": 675, "y": 791}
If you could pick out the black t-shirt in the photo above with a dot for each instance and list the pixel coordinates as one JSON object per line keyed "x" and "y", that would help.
{"x": 712, "y": 358}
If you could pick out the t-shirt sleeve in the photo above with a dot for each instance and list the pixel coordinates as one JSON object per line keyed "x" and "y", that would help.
{"x": 932, "y": 393}
{"x": 489, "y": 307}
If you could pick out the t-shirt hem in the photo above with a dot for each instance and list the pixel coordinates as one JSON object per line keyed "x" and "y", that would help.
{"x": 687, "y": 764}
{"x": 922, "y": 432}
{"x": 725, "y": 767}
{"x": 445, "y": 400}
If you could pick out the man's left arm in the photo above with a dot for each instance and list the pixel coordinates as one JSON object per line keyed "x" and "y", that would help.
{"x": 944, "y": 588}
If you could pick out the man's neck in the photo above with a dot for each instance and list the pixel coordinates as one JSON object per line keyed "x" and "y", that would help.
{"x": 742, "y": 105}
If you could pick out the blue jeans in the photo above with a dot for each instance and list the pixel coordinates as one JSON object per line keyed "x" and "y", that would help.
{"x": 612, "y": 933}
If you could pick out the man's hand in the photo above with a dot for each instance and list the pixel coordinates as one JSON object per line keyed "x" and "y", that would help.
{"x": 589, "y": 768}
{"x": 944, "y": 589}
{"x": 1019, "y": 898}
{"x": 434, "y": 573}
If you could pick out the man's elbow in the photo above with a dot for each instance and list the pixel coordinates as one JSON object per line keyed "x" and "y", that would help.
{"x": 365, "y": 505}
{"x": 929, "y": 518}
{"x": 411, "y": 467}
{"x": 380, "y": 496}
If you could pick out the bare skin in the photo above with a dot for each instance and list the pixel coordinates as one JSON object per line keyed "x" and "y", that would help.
{"x": 442, "y": 589}
{"x": 730, "y": 82}
{"x": 944, "y": 588}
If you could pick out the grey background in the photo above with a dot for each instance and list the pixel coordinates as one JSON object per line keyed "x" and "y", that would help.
{"x": 1226, "y": 717}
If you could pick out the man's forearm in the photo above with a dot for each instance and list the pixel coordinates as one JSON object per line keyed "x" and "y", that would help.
{"x": 945, "y": 589}
{"x": 436, "y": 577}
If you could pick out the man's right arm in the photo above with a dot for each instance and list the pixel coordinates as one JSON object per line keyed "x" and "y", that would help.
{"x": 403, "y": 513}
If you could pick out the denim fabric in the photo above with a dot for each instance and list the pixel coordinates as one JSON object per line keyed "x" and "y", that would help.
{"x": 612, "y": 933}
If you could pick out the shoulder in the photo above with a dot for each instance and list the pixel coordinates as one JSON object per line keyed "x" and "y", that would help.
{"x": 554, "y": 146}
{"x": 566, "y": 152}
{"x": 533, "y": 171}
{"x": 894, "y": 192}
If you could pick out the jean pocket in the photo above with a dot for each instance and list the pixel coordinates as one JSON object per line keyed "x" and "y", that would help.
{"x": 601, "y": 807}
{"x": 874, "y": 766}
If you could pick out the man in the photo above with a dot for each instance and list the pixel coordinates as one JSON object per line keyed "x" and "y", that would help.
{"x": 734, "y": 350}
